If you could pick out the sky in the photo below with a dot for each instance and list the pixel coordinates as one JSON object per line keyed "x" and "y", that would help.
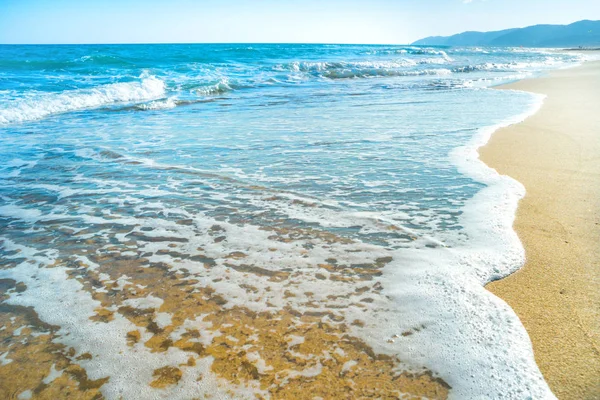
{"x": 266, "y": 21}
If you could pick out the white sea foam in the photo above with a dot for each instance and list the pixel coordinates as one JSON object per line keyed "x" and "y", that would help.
{"x": 4, "y": 360}
{"x": 466, "y": 335}
{"x": 54, "y": 373}
{"x": 63, "y": 302}
{"x": 159, "y": 104}
{"x": 38, "y": 105}
{"x": 414, "y": 51}
{"x": 457, "y": 329}
{"x": 16, "y": 212}
{"x": 222, "y": 86}
{"x": 15, "y": 167}
{"x": 471, "y": 338}
{"x": 363, "y": 69}
{"x": 548, "y": 62}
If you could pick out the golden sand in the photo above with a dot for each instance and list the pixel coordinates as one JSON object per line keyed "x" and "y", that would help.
{"x": 555, "y": 154}
{"x": 245, "y": 347}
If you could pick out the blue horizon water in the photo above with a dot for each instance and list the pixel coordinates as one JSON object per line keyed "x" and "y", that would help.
{"x": 297, "y": 157}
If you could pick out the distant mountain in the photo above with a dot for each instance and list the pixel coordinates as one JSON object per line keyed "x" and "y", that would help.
{"x": 583, "y": 33}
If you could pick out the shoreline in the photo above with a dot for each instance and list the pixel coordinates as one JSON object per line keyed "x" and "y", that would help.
{"x": 214, "y": 276}
{"x": 556, "y": 294}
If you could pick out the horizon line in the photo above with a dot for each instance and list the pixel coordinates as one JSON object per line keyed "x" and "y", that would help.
{"x": 215, "y": 43}
{"x": 288, "y": 43}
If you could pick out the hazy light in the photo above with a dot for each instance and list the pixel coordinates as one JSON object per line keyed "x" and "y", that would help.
{"x": 257, "y": 21}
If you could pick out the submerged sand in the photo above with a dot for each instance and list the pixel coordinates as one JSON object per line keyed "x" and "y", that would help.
{"x": 183, "y": 331}
{"x": 167, "y": 324}
{"x": 555, "y": 154}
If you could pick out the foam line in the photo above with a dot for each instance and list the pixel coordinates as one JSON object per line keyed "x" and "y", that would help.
{"x": 40, "y": 105}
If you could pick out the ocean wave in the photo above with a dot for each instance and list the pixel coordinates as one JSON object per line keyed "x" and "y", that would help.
{"x": 163, "y": 104}
{"x": 102, "y": 59}
{"x": 222, "y": 86}
{"x": 427, "y": 51}
{"x": 507, "y": 67}
{"x": 448, "y": 84}
{"x": 210, "y": 88}
{"x": 434, "y": 60}
{"x": 410, "y": 51}
{"x": 38, "y": 105}
{"x": 359, "y": 69}
{"x": 93, "y": 60}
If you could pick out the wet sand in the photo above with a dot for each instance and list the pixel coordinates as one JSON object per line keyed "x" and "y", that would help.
{"x": 183, "y": 331}
{"x": 555, "y": 154}
{"x": 161, "y": 294}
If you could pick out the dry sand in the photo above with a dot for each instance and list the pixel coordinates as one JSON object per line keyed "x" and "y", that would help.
{"x": 555, "y": 154}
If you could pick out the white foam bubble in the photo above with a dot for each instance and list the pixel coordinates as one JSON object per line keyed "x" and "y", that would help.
{"x": 159, "y": 104}
{"x": 363, "y": 69}
{"x": 54, "y": 373}
{"x": 14, "y": 211}
{"x": 61, "y": 301}
{"x": 38, "y": 105}
{"x": 163, "y": 320}
{"x": 444, "y": 319}
{"x": 26, "y": 395}
{"x": 4, "y": 360}
{"x": 457, "y": 329}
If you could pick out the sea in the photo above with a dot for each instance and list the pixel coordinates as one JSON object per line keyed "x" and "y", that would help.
{"x": 260, "y": 221}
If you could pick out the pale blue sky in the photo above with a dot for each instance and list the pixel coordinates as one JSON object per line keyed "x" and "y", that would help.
{"x": 309, "y": 21}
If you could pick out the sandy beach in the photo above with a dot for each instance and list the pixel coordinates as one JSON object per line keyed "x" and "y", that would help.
{"x": 294, "y": 221}
{"x": 555, "y": 154}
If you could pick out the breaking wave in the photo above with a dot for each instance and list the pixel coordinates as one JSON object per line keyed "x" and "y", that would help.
{"x": 37, "y": 105}
{"x": 344, "y": 70}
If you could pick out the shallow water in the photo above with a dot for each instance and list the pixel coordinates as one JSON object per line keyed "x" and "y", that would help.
{"x": 272, "y": 220}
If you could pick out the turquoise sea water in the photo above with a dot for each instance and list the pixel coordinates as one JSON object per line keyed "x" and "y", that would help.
{"x": 356, "y": 152}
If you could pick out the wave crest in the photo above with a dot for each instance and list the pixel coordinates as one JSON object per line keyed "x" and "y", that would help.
{"x": 222, "y": 86}
{"x": 359, "y": 69}
{"x": 418, "y": 51}
{"x": 507, "y": 67}
{"x": 38, "y": 105}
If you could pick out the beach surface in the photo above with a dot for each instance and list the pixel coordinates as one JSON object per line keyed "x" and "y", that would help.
{"x": 266, "y": 221}
{"x": 555, "y": 154}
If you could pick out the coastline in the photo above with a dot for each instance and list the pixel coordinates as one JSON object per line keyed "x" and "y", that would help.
{"x": 556, "y": 294}
{"x": 194, "y": 285}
